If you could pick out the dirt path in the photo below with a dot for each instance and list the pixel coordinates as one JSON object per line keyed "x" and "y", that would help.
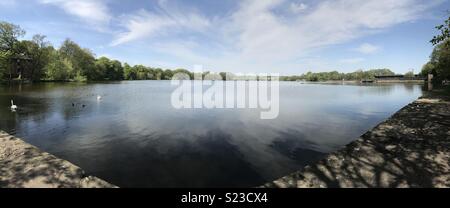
{"x": 411, "y": 149}
{"x": 25, "y": 166}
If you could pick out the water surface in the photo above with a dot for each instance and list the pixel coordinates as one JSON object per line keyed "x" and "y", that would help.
{"x": 135, "y": 138}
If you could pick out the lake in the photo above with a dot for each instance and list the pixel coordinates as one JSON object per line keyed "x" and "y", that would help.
{"x": 133, "y": 137}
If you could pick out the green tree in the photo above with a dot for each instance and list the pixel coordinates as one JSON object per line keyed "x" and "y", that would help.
{"x": 167, "y": 74}
{"x": 9, "y": 34}
{"x": 82, "y": 60}
{"x": 428, "y": 68}
{"x": 444, "y": 35}
{"x": 128, "y": 72}
{"x": 106, "y": 69}
{"x": 409, "y": 74}
{"x": 101, "y": 69}
{"x": 439, "y": 64}
{"x": 223, "y": 75}
{"x": 440, "y": 61}
{"x": 117, "y": 70}
{"x": 19, "y": 62}
{"x": 184, "y": 71}
{"x": 141, "y": 72}
{"x": 159, "y": 74}
{"x": 334, "y": 75}
{"x": 39, "y": 52}
{"x": 57, "y": 68}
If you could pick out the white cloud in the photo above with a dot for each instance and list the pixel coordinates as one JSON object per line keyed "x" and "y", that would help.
{"x": 256, "y": 37}
{"x": 144, "y": 24}
{"x": 268, "y": 39}
{"x": 297, "y": 7}
{"x": 140, "y": 25}
{"x": 351, "y": 60}
{"x": 331, "y": 22}
{"x": 94, "y": 12}
{"x": 367, "y": 48}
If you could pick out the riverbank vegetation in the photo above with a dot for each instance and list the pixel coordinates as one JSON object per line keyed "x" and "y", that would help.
{"x": 439, "y": 64}
{"x": 38, "y": 60}
{"x": 336, "y": 76}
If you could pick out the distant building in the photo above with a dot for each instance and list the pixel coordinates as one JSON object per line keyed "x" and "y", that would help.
{"x": 19, "y": 62}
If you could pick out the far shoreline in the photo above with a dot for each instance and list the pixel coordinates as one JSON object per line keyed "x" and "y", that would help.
{"x": 26, "y": 82}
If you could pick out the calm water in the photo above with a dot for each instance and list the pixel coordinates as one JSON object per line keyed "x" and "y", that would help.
{"x": 135, "y": 138}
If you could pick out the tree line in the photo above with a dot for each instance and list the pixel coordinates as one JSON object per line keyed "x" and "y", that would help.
{"x": 38, "y": 60}
{"x": 336, "y": 76}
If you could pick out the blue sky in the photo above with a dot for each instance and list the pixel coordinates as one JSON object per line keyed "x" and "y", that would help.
{"x": 270, "y": 36}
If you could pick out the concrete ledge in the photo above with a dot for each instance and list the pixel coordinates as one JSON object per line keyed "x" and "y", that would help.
{"x": 411, "y": 149}
{"x": 25, "y": 166}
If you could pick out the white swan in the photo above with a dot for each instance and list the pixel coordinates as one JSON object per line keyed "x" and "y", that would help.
{"x": 13, "y": 107}
{"x": 99, "y": 97}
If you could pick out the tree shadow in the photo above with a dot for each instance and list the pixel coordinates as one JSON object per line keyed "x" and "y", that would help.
{"x": 24, "y": 166}
{"x": 412, "y": 149}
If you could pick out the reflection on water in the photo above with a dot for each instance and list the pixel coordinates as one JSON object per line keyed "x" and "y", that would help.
{"x": 134, "y": 138}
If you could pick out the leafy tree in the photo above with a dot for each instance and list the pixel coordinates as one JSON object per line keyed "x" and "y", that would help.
{"x": 335, "y": 76}
{"x": 18, "y": 61}
{"x": 158, "y": 73}
{"x": 223, "y": 75}
{"x": 117, "y": 70}
{"x": 106, "y": 69}
{"x": 409, "y": 74}
{"x": 428, "y": 68}
{"x": 129, "y": 73}
{"x": 39, "y": 52}
{"x": 9, "y": 34}
{"x": 444, "y": 35}
{"x": 142, "y": 72}
{"x": 101, "y": 69}
{"x": 184, "y": 71}
{"x": 167, "y": 74}
{"x": 58, "y": 68}
{"x": 439, "y": 63}
{"x": 82, "y": 60}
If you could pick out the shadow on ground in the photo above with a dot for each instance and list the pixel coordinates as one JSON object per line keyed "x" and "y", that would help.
{"x": 411, "y": 149}
{"x": 24, "y": 166}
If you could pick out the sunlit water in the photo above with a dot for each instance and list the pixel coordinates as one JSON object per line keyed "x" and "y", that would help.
{"x": 135, "y": 138}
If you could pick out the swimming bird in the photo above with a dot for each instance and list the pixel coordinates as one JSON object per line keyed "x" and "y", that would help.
{"x": 99, "y": 97}
{"x": 83, "y": 105}
{"x": 13, "y": 107}
{"x": 73, "y": 104}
